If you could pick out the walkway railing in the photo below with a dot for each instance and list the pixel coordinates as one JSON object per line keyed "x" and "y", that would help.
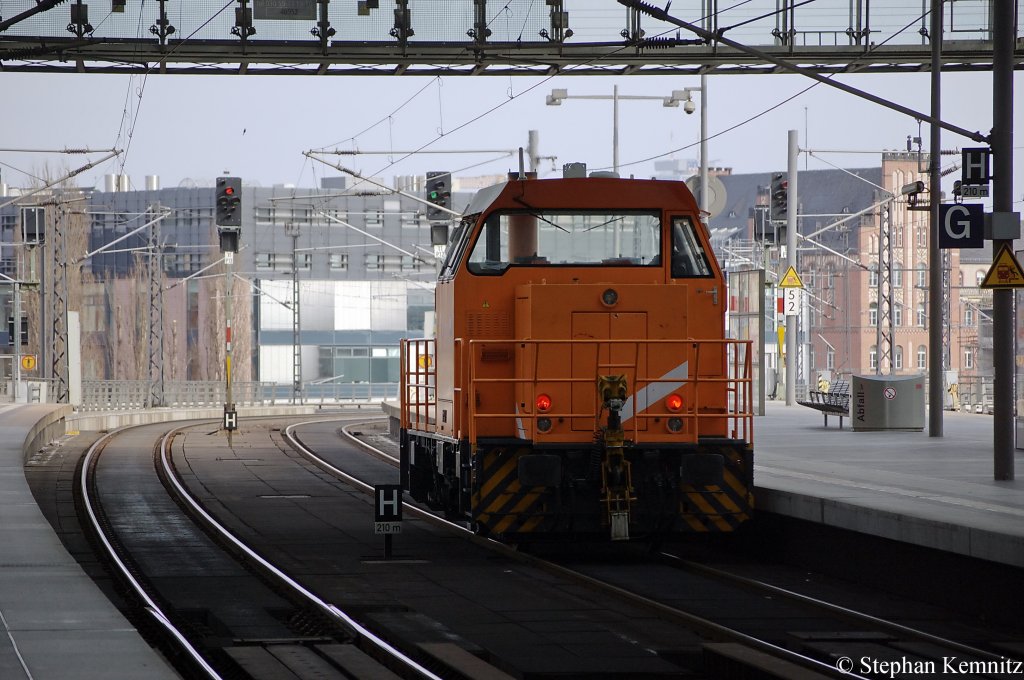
{"x": 115, "y": 395}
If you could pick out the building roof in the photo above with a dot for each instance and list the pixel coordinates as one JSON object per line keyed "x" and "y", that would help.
{"x": 821, "y": 192}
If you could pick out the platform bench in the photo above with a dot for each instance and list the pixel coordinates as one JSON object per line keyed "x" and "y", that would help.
{"x": 836, "y": 401}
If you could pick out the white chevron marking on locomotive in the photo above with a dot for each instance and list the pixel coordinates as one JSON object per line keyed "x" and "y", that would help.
{"x": 655, "y": 391}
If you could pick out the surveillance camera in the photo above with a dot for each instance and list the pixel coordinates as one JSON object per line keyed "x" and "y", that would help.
{"x": 689, "y": 106}
{"x": 912, "y": 189}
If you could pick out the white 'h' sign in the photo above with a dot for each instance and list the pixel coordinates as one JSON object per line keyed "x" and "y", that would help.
{"x": 388, "y": 506}
{"x": 975, "y": 166}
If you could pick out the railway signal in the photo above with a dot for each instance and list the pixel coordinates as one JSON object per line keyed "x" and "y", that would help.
{"x": 229, "y": 202}
{"x": 439, "y": 193}
{"x": 779, "y": 197}
{"x": 22, "y": 337}
{"x": 228, "y": 211}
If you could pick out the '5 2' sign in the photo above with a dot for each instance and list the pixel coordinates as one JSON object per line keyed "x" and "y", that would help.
{"x": 792, "y": 301}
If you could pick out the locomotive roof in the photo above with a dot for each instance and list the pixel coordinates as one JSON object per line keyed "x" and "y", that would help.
{"x": 652, "y": 189}
{"x": 484, "y": 198}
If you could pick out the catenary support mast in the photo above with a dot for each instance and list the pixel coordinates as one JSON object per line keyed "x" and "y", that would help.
{"x": 1003, "y": 399}
{"x": 792, "y": 321}
{"x": 935, "y": 311}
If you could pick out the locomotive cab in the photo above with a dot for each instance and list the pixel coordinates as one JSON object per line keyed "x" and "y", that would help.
{"x": 580, "y": 383}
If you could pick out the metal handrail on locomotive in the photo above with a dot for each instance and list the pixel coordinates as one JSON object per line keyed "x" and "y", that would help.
{"x": 580, "y": 383}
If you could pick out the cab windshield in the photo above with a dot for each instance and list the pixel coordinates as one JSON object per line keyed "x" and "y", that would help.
{"x": 566, "y": 238}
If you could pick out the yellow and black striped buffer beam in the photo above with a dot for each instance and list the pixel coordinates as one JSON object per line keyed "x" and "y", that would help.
{"x": 719, "y": 507}
{"x": 501, "y": 505}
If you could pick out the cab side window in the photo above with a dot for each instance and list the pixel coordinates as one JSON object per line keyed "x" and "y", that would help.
{"x": 688, "y": 256}
{"x": 455, "y": 248}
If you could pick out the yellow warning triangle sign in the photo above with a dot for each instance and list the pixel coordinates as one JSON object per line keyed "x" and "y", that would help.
{"x": 1005, "y": 271}
{"x": 791, "y": 279}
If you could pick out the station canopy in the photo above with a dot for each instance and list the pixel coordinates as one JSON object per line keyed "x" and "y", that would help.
{"x": 479, "y": 37}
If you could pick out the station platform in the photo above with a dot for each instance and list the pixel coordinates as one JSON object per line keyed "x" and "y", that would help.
{"x": 936, "y": 492}
{"x": 56, "y": 622}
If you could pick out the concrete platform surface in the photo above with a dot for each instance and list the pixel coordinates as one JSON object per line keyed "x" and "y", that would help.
{"x": 56, "y": 623}
{"x": 937, "y": 492}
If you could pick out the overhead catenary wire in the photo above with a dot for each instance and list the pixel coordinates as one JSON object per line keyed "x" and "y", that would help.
{"x": 130, "y": 133}
{"x": 774, "y": 106}
{"x": 541, "y": 82}
{"x": 66, "y": 177}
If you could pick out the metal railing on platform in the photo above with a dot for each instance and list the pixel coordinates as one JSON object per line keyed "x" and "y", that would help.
{"x": 119, "y": 395}
{"x": 116, "y": 395}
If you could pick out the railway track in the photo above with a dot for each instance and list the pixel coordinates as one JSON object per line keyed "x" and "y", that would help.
{"x": 292, "y": 598}
{"x": 308, "y": 637}
{"x": 840, "y": 642}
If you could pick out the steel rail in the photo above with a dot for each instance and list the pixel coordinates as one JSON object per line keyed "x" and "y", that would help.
{"x": 87, "y": 480}
{"x": 776, "y": 591}
{"x": 845, "y": 612}
{"x": 705, "y": 626}
{"x": 356, "y": 629}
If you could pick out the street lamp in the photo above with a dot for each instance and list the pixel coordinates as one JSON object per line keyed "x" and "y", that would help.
{"x": 685, "y": 96}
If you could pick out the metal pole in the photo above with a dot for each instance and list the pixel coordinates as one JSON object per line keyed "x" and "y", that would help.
{"x": 533, "y": 149}
{"x": 229, "y": 259}
{"x": 879, "y": 290}
{"x": 16, "y": 339}
{"x": 1002, "y": 202}
{"x": 884, "y": 352}
{"x": 155, "y": 344}
{"x": 791, "y": 226}
{"x": 935, "y": 311}
{"x": 704, "y": 204}
{"x": 615, "y": 129}
{"x": 293, "y": 229}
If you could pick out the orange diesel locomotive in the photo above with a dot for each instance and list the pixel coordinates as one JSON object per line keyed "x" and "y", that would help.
{"x": 580, "y": 382}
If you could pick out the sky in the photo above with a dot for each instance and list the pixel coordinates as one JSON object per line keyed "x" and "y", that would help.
{"x": 198, "y": 127}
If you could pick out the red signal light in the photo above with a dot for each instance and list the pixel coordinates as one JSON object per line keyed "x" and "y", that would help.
{"x": 674, "y": 402}
{"x": 543, "y": 403}
{"x": 228, "y": 202}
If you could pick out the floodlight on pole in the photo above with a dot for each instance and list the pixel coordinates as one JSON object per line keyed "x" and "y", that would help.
{"x": 556, "y": 97}
{"x": 685, "y": 96}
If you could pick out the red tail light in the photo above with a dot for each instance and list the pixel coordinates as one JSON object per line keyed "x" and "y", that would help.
{"x": 543, "y": 403}
{"x": 674, "y": 402}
